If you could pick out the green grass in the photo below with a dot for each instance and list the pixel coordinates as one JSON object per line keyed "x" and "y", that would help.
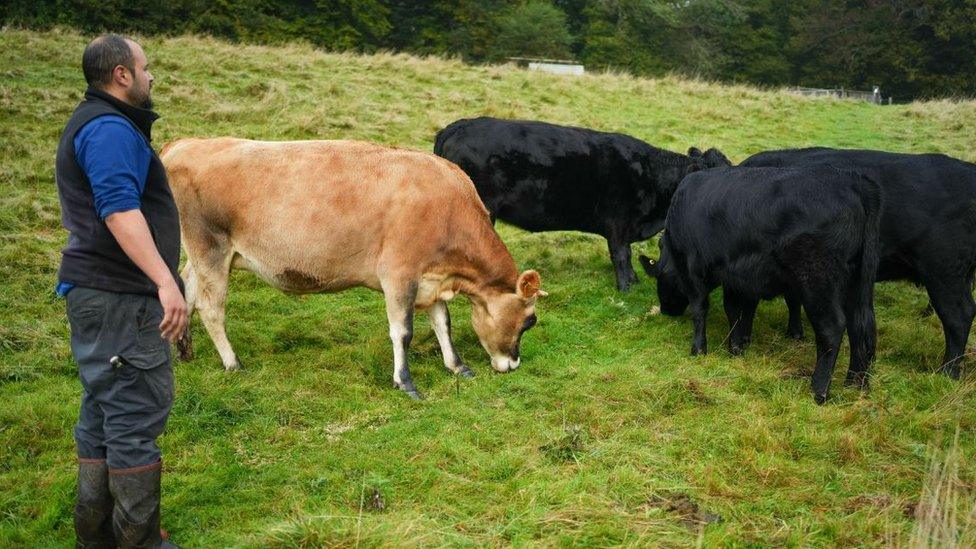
{"x": 608, "y": 414}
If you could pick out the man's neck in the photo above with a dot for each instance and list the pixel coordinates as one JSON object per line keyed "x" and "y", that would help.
{"x": 117, "y": 93}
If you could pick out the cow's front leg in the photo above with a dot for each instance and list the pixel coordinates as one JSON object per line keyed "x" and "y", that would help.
{"x": 440, "y": 318}
{"x": 622, "y": 265}
{"x": 400, "y": 300}
{"x": 740, "y": 311}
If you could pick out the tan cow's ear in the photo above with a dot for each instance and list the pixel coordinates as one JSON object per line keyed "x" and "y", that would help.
{"x": 528, "y": 285}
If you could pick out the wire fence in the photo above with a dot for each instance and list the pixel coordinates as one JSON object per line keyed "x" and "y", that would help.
{"x": 842, "y": 93}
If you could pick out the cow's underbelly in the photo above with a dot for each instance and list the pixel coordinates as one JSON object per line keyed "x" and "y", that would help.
{"x": 296, "y": 277}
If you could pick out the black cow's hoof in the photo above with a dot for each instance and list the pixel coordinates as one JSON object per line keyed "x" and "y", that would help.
{"x": 951, "y": 370}
{"x": 859, "y": 380}
{"x": 415, "y": 395}
{"x": 798, "y": 336}
{"x": 820, "y": 399}
{"x": 464, "y": 371}
{"x": 736, "y": 350}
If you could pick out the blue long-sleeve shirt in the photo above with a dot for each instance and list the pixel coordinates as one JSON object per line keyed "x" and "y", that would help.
{"x": 115, "y": 158}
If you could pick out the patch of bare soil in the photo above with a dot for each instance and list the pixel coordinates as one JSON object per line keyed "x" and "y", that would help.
{"x": 687, "y": 511}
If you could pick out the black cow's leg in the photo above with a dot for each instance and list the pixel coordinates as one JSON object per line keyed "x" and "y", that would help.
{"x": 827, "y": 317}
{"x": 699, "y": 316}
{"x": 740, "y": 311}
{"x": 793, "y": 305}
{"x": 862, "y": 335}
{"x": 953, "y": 302}
{"x": 622, "y": 265}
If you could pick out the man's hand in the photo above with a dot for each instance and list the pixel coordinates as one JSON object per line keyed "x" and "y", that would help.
{"x": 132, "y": 233}
{"x": 174, "y": 312}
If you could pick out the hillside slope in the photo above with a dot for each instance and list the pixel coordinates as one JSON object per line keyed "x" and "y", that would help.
{"x": 607, "y": 418}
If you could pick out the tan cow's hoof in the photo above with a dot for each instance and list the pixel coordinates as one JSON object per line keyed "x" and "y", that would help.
{"x": 410, "y": 389}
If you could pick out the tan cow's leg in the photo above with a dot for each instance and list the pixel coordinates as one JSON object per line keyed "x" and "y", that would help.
{"x": 440, "y": 318}
{"x": 211, "y": 292}
{"x": 399, "y": 311}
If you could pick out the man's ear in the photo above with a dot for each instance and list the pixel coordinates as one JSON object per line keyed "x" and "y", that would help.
{"x": 120, "y": 75}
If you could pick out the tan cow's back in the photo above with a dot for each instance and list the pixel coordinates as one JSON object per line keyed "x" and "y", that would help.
{"x": 326, "y": 215}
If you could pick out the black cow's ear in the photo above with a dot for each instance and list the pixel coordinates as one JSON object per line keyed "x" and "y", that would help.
{"x": 694, "y": 151}
{"x": 650, "y": 267}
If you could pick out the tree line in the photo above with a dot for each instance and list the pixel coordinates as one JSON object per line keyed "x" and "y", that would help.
{"x": 918, "y": 49}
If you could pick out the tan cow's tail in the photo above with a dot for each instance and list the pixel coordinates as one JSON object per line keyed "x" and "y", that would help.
{"x": 185, "y": 343}
{"x": 175, "y": 173}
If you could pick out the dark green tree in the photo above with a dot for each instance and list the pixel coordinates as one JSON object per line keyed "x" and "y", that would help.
{"x": 533, "y": 29}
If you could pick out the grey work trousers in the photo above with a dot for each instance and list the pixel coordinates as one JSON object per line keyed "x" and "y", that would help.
{"x": 123, "y": 408}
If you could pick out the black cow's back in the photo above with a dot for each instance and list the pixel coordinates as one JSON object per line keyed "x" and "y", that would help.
{"x": 929, "y": 219}
{"x": 542, "y": 176}
{"x": 732, "y": 222}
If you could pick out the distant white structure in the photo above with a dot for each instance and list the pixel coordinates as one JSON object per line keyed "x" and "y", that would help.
{"x": 554, "y": 66}
{"x": 557, "y": 68}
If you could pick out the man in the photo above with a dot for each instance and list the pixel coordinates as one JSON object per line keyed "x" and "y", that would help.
{"x": 124, "y": 300}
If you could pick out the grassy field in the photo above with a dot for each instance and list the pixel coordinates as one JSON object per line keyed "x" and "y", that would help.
{"x": 609, "y": 434}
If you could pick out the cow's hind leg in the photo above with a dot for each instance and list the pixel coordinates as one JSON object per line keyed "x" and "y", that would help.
{"x": 400, "y": 298}
{"x": 861, "y": 332}
{"x": 185, "y": 343}
{"x": 212, "y": 269}
{"x": 440, "y": 319}
{"x": 953, "y": 302}
{"x": 826, "y": 314}
{"x": 622, "y": 264}
{"x": 794, "y": 329}
{"x": 740, "y": 311}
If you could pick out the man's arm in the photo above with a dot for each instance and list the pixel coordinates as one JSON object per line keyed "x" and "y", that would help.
{"x": 115, "y": 159}
{"x": 132, "y": 233}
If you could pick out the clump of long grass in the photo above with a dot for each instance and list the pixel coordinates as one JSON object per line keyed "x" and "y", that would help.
{"x": 945, "y": 515}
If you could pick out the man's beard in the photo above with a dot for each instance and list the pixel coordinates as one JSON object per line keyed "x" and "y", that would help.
{"x": 140, "y": 100}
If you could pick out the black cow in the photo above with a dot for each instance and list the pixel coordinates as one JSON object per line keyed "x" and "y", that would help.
{"x": 544, "y": 177}
{"x": 810, "y": 232}
{"x": 928, "y": 228}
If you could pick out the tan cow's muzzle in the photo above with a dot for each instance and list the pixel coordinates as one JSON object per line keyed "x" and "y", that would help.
{"x": 504, "y": 364}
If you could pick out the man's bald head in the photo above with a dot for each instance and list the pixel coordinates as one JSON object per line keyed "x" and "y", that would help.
{"x": 118, "y": 66}
{"x": 102, "y": 55}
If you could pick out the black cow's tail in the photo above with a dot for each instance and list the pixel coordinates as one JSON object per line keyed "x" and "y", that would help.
{"x": 861, "y": 322}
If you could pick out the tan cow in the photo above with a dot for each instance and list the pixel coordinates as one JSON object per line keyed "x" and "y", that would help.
{"x": 323, "y": 216}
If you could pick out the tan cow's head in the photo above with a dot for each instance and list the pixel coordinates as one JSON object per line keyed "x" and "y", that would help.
{"x": 502, "y": 318}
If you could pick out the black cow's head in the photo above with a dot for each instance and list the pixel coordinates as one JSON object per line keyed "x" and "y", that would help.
{"x": 669, "y": 291}
{"x": 712, "y": 158}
